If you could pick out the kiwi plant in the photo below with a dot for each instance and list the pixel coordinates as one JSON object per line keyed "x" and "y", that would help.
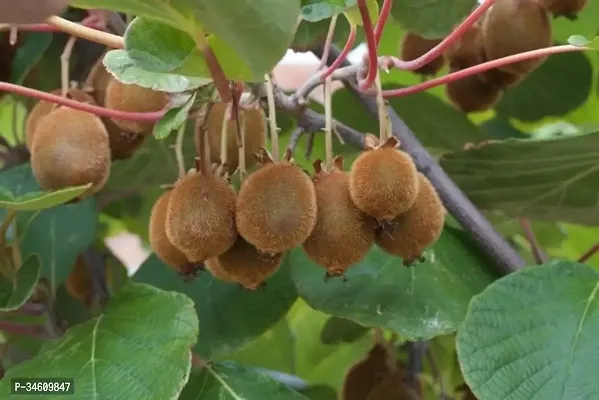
{"x": 383, "y": 181}
{"x": 343, "y": 233}
{"x": 416, "y": 229}
{"x": 255, "y": 136}
{"x": 276, "y": 205}
{"x": 413, "y": 46}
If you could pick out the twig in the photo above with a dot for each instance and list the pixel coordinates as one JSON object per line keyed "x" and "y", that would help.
{"x": 383, "y": 115}
{"x": 84, "y": 32}
{"x": 535, "y": 248}
{"x": 328, "y": 127}
{"x": 224, "y": 134}
{"x": 294, "y": 139}
{"x": 272, "y": 118}
{"x": 349, "y": 44}
{"x": 65, "y": 59}
{"x": 327, "y": 43}
{"x": 589, "y": 253}
{"x": 309, "y": 145}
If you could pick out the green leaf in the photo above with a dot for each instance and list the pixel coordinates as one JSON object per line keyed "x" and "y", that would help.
{"x": 531, "y": 335}
{"x": 229, "y": 315}
{"x": 581, "y": 41}
{"x": 550, "y": 179}
{"x": 231, "y": 381}
{"x": 28, "y": 54}
{"x": 309, "y": 34}
{"x": 13, "y": 293}
{"x": 120, "y": 64}
{"x": 320, "y": 10}
{"x": 38, "y": 200}
{"x": 137, "y": 349}
{"x": 257, "y": 33}
{"x": 544, "y": 94}
{"x": 431, "y": 19}
{"x": 418, "y": 303}
{"x": 174, "y": 119}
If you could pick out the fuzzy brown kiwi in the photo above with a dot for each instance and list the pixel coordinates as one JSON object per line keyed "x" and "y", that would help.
{"x": 97, "y": 81}
{"x": 366, "y": 374}
{"x": 343, "y": 234}
{"x": 276, "y": 206}
{"x": 515, "y": 26}
{"x": 413, "y": 46}
{"x": 134, "y": 98}
{"x": 255, "y": 137}
{"x": 393, "y": 387}
{"x": 70, "y": 148}
{"x": 383, "y": 181}
{"x": 471, "y": 94}
{"x": 43, "y": 108}
{"x": 79, "y": 283}
{"x": 418, "y": 228}
{"x": 244, "y": 264}
{"x": 564, "y": 8}
{"x": 159, "y": 242}
{"x": 200, "y": 217}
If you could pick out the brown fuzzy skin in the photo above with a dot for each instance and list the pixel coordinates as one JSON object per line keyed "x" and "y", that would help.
{"x": 70, "y": 148}
{"x": 343, "y": 234}
{"x": 515, "y": 26}
{"x": 393, "y": 388}
{"x": 43, "y": 108}
{"x": 245, "y": 265}
{"x": 276, "y": 207}
{"x": 383, "y": 181}
{"x": 79, "y": 284}
{"x": 471, "y": 94}
{"x": 564, "y": 8}
{"x": 468, "y": 50}
{"x": 413, "y": 46}
{"x": 255, "y": 136}
{"x": 97, "y": 80}
{"x": 134, "y": 98}
{"x": 421, "y": 226}
{"x": 159, "y": 242}
{"x": 213, "y": 266}
{"x": 200, "y": 217}
{"x": 366, "y": 374}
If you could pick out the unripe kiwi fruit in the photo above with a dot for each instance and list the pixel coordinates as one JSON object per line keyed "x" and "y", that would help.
{"x": 255, "y": 136}
{"x": 159, "y": 242}
{"x": 471, "y": 94}
{"x": 200, "y": 217}
{"x": 418, "y": 228}
{"x": 343, "y": 234}
{"x": 516, "y": 26}
{"x": 366, "y": 374}
{"x": 79, "y": 283}
{"x": 43, "y": 108}
{"x": 134, "y": 98}
{"x": 383, "y": 181}
{"x": 244, "y": 264}
{"x": 70, "y": 148}
{"x": 393, "y": 387}
{"x": 97, "y": 81}
{"x": 564, "y": 8}
{"x": 413, "y": 46}
{"x": 276, "y": 206}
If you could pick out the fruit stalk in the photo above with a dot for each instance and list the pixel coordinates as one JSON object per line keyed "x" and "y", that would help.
{"x": 216, "y": 70}
{"x": 272, "y": 118}
{"x": 371, "y": 43}
{"x": 241, "y": 144}
{"x": 224, "y": 137}
{"x": 327, "y": 43}
{"x": 589, "y": 253}
{"x": 65, "y": 59}
{"x": 384, "y": 121}
{"x": 81, "y": 31}
{"x": 328, "y": 123}
{"x": 179, "y": 151}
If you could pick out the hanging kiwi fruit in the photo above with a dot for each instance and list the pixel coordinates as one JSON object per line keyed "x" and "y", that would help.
{"x": 416, "y": 229}
{"x": 343, "y": 234}
{"x": 564, "y": 8}
{"x": 472, "y": 94}
{"x": 276, "y": 205}
{"x": 413, "y": 46}
{"x": 383, "y": 181}
{"x": 255, "y": 135}
{"x": 516, "y": 26}
{"x": 70, "y": 148}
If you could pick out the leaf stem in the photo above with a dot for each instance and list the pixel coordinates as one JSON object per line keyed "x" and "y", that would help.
{"x": 384, "y": 121}
{"x": 224, "y": 133}
{"x": 328, "y": 124}
{"x": 272, "y": 118}
{"x": 84, "y": 32}
{"x": 216, "y": 71}
{"x": 535, "y": 248}
{"x": 36, "y": 331}
{"x": 179, "y": 151}
{"x": 372, "y": 46}
{"x": 382, "y": 20}
{"x": 349, "y": 44}
{"x": 589, "y": 253}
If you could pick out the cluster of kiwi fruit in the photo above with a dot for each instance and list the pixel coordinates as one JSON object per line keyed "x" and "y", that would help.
{"x": 70, "y": 147}
{"x": 509, "y": 27}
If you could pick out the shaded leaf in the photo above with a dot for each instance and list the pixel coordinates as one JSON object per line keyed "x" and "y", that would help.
{"x": 230, "y": 381}
{"x": 14, "y": 292}
{"x": 552, "y": 179}
{"x": 144, "y": 334}
{"x": 501, "y": 128}
{"x": 229, "y": 315}
{"x": 418, "y": 303}
{"x": 28, "y": 54}
{"x": 531, "y": 335}
{"x": 38, "y": 200}
{"x": 173, "y": 119}
{"x": 319, "y": 392}
{"x": 341, "y": 330}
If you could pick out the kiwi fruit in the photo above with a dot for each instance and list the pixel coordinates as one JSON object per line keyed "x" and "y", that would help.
{"x": 159, "y": 242}
{"x": 418, "y": 228}
{"x": 414, "y": 46}
{"x": 79, "y": 283}
{"x": 43, "y": 108}
{"x": 393, "y": 387}
{"x": 515, "y": 26}
{"x": 30, "y": 11}
{"x": 255, "y": 136}
{"x": 244, "y": 264}
{"x": 97, "y": 81}
{"x": 472, "y": 94}
{"x": 366, "y": 374}
{"x": 133, "y": 98}
{"x": 200, "y": 216}
{"x": 468, "y": 50}
{"x": 564, "y": 8}
{"x": 70, "y": 148}
{"x": 276, "y": 206}
{"x": 383, "y": 181}
{"x": 343, "y": 234}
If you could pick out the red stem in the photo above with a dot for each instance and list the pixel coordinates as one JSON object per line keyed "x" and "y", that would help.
{"x": 218, "y": 75}
{"x": 99, "y": 111}
{"x": 589, "y": 253}
{"x": 500, "y": 62}
{"x": 371, "y": 42}
{"x": 343, "y": 55}
{"x": 22, "y": 329}
{"x": 535, "y": 247}
{"x": 380, "y": 24}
